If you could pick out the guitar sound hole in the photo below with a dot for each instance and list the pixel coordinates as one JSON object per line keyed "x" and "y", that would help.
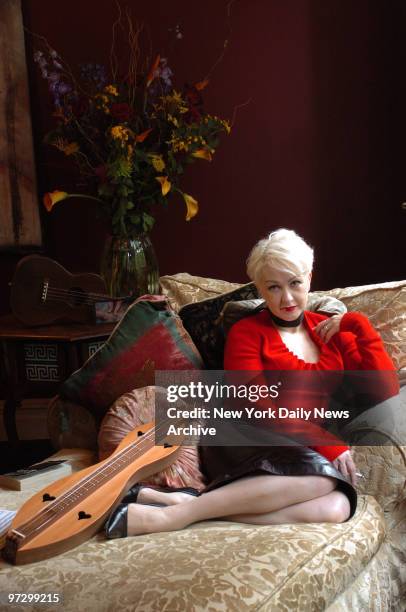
{"x": 83, "y": 515}
{"x": 47, "y": 497}
{"x": 140, "y": 433}
{"x": 76, "y": 296}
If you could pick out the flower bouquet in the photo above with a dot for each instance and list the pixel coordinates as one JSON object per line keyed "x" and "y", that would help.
{"x": 132, "y": 137}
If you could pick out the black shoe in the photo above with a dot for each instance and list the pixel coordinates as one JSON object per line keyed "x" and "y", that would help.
{"x": 116, "y": 525}
{"x": 131, "y": 496}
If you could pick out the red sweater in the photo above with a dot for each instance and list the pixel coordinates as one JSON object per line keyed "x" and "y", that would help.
{"x": 254, "y": 343}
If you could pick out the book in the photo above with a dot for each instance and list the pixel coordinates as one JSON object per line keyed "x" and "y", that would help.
{"x": 37, "y": 475}
{"x": 6, "y": 518}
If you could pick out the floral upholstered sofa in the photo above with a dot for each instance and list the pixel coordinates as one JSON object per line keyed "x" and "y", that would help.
{"x": 359, "y": 565}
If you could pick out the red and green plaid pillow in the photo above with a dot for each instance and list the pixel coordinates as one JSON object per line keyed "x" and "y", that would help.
{"x": 149, "y": 337}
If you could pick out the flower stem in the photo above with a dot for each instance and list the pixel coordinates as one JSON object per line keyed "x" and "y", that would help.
{"x": 82, "y": 195}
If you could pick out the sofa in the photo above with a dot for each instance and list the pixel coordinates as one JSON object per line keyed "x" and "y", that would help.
{"x": 221, "y": 565}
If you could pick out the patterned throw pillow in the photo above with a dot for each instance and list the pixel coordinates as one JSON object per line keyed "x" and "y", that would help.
{"x": 203, "y": 322}
{"x": 149, "y": 337}
{"x": 133, "y": 409}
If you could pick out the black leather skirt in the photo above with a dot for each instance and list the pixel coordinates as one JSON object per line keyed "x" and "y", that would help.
{"x": 223, "y": 464}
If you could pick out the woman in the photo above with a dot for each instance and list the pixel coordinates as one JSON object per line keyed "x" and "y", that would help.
{"x": 273, "y": 485}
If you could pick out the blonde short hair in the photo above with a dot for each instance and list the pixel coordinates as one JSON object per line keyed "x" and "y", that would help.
{"x": 284, "y": 250}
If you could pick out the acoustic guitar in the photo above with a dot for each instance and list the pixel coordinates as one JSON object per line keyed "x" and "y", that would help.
{"x": 74, "y": 508}
{"x": 42, "y": 292}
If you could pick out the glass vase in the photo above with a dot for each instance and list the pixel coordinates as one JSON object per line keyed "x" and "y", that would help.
{"x": 129, "y": 266}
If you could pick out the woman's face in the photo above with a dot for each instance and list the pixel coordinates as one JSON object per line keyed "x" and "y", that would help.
{"x": 285, "y": 293}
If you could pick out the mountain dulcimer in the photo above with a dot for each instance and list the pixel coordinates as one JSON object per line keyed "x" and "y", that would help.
{"x": 74, "y": 508}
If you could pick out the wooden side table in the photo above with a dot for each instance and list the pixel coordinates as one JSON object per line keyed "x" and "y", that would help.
{"x": 36, "y": 360}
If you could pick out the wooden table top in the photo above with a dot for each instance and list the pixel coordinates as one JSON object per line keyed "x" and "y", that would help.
{"x": 11, "y": 328}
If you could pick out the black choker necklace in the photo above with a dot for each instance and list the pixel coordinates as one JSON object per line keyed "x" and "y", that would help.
{"x": 283, "y": 323}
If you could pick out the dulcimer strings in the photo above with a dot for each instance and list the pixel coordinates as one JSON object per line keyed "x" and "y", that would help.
{"x": 86, "y": 485}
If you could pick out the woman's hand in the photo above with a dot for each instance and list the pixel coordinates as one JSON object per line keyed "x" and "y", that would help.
{"x": 344, "y": 464}
{"x": 327, "y": 328}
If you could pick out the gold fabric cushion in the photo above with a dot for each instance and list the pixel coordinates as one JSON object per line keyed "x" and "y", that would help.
{"x": 184, "y": 288}
{"x": 135, "y": 408}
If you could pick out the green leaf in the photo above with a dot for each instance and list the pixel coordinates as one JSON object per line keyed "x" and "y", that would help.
{"x": 147, "y": 222}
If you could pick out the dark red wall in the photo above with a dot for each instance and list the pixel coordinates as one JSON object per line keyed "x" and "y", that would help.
{"x": 319, "y": 146}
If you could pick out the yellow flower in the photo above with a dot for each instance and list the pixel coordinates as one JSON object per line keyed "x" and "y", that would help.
{"x": 157, "y": 162}
{"x": 165, "y": 184}
{"x": 176, "y": 101}
{"x": 227, "y": 126}
{"x": 192, "y": 206}
{"x": 173, "y": 120}
{"x": 176, "y": 97}
{"x": 52, "y": 198}
{"x": 111, "y": 89}
{"x": 120, "y": 132}
{"x": 101, "y": 98}
{"x": 71, "y": 148}
{"x": 202, "y": 154}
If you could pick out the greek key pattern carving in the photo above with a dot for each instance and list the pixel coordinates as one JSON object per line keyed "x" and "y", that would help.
{"x": 92, "y": 347}
{"x": 41, "y": 373}
{"x": 41, "y": 362}
{"x": 41, "y": 352}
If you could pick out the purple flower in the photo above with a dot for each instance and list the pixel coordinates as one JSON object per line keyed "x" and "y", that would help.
{"x": 95, "y": 74}
{"x": 162, "y": 84}
{"x": 53, "y": 77}
{"x": 164, "y": 72}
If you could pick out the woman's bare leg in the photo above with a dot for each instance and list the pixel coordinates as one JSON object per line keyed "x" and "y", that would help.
{"x": 246, "y": 496}
{"x": 331, "y": 508}
{"x": 152, "y": 496}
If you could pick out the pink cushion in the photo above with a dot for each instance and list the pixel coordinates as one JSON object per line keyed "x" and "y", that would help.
{"x": 133, "y": 409}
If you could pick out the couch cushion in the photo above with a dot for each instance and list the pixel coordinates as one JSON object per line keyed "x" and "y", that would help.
{"x": 183, "y": 288}
{"x": 138, "y": 407}
{"x": 214, "y": 565}
{"x": 203, "y": 322}
{"x": 150, "y": 336}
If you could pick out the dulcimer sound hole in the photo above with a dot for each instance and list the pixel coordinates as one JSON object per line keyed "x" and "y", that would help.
{"x": 83, "y": 515}
{"x": 47, "y": 497}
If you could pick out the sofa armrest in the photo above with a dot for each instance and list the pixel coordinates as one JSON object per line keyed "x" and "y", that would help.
{"x": 379, "y": 448}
